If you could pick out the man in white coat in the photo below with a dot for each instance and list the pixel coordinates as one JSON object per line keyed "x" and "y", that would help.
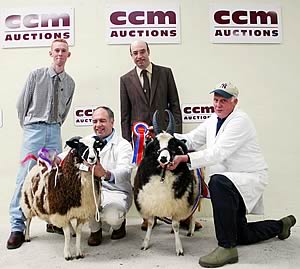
{"x": 238, "y": 177}
{"x": 114, "y": 171}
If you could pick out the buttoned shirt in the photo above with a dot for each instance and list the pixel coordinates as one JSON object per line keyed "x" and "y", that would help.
{"x": 36, "y": 99}
{"x": 149, "y": 74}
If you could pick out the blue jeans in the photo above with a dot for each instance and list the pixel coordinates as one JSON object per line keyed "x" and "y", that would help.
{"x": 36, "y": 136}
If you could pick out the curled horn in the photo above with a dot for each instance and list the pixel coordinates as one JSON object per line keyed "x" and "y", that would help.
{"x": 171, "y": 124}
{"x": 156, "y": 128}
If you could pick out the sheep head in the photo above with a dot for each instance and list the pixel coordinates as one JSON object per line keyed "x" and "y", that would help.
{"x": 165, "y": 146}
{"x": 87, "y": 149}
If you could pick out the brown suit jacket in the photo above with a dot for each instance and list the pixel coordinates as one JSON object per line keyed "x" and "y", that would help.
{"x": 134, "y": 104}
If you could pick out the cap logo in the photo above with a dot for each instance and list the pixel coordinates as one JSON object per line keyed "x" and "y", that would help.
{"x": 223, "y": 86}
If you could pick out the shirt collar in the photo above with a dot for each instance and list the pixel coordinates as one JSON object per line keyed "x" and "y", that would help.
{"x": 108, "y": 138}
{"x": 53, "y": 73}
{"x": 148, "y": 68}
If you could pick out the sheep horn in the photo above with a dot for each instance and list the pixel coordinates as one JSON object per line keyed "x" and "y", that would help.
{"x": 156, "y": 128}
{"x": 171, "y": 124}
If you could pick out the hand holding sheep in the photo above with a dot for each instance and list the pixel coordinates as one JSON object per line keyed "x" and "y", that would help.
{"x": 176, "y": 161}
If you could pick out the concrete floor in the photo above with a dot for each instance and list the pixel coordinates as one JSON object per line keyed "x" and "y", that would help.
{"x": 46, "y": 250}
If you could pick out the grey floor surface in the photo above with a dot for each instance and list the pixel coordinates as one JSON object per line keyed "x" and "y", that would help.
{"x": 46, "y": 250}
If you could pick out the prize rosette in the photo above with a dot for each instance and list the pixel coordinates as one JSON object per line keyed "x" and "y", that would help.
{"x": 45, "y": 156}
{"x": 140, "y": 130}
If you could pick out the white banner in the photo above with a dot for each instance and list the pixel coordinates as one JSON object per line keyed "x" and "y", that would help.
{"x": 156, "y": 23}
{"x": 35, "y": 27}
{"x": 192, "y": 113}
{"x": 243, "y": 23}
{"x": 83, "y": 115}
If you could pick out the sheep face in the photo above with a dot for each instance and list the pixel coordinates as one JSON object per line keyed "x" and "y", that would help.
{"x": 87, "y": 149}
{"x": 165, "y": 147}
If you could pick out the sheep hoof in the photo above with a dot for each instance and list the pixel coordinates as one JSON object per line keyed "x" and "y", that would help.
{"x": 69, "y": 258}
{"x": 189, "y": 234}
{"x": 81, "y": 256}
{"x": 27, "y": 240}
{"x": 144, "y": 247}
{"x": 180, "y": 253}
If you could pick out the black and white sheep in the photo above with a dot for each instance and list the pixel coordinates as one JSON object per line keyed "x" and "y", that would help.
{"x": 61, "y": 196}
{"x": 164, "y": 193}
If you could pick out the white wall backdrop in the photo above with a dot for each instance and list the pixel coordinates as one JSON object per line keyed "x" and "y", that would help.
{"x": 267, "y": 76}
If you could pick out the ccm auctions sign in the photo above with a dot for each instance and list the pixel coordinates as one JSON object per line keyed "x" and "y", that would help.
{"x": 245, "y": 23}
{"x": 154, "y": 24}
{"x": 35, "y": 27}
{"x": 83, "y": 115}
{"x": 196, "y": 113}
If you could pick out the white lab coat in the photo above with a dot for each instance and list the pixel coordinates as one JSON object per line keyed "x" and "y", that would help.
{"x": 234, "y": 153}
{"x": 116, "y": 157}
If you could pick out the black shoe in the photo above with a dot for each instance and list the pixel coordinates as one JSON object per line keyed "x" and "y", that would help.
{"x": 15, "y": 240}
{"x": 120, "y": 233}
{"x": 95, "y": 239}
{"x": 50, "y": 228}
{"x": 287, "y": 223}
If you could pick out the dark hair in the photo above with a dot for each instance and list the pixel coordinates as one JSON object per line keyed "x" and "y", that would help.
{"x": 108, "y": 110}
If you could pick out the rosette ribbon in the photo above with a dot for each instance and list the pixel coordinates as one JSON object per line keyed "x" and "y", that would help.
{"x": 140, "y": 130}
{"x": 47, "y": 156}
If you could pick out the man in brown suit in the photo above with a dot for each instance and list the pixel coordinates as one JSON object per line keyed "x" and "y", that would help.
{"x": 135, "y": 105}
{"x": 145, "y": 89}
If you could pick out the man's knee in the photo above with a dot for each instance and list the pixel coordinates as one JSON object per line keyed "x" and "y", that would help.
{"x": 114, "y": 215}
{"x": 216, "y": 181}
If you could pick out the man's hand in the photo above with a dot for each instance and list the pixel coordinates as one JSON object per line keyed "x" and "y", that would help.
{"x": 99, "y": 171}
{"x": 176, "y": 161}
{"x": 151, "y": 134}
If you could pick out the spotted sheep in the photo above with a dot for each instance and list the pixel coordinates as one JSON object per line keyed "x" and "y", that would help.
{"x": 161, "y": 192}
{"x": 64, "y": 195}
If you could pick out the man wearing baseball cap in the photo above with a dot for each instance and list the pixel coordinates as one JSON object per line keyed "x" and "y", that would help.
{"x": 238, "y": 175}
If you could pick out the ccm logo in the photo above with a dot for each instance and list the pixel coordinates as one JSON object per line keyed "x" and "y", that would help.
{"x": 37, "y": 20}
{"x": 198, "y": 109}
{"x": 84, "y": 112}
{"x": 246, "y": 17}
{"x": 142, "y": 17}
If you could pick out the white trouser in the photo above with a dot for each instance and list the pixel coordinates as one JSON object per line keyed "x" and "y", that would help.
{"x": 113, "y": 211}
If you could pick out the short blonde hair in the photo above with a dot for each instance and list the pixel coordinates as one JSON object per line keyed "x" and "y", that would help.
{"x": 59, "y": 40}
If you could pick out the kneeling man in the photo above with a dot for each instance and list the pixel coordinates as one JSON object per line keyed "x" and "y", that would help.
{"x": 114, "y": 171}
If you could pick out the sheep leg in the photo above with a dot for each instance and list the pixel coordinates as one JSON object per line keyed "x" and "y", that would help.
{"x": 67, "y": 233}
{"x": 79, "y": 253}
{"x": 27, "y": 237}
{"x": 148, "y": 233}
{"x": 179, "y": 249}
{"x": 191, "y": 226}
{"x": 72, "y": 231}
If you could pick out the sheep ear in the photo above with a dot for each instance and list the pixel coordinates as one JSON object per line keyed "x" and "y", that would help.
{"x": 182, "y": 146}
{"x": 99, "y": 142}
{"x": 73, "y": 142}
{"x": 149, "y": 147}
